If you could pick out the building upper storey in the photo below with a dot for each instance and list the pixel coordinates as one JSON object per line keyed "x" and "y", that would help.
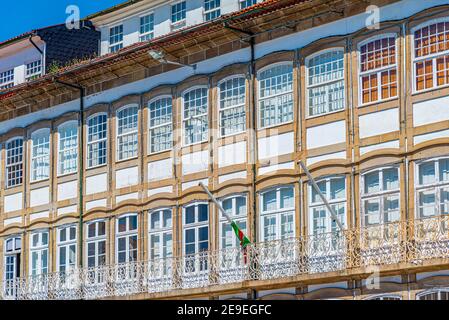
{"x": 138, "y": 21}
{"x": 38, "y": 52}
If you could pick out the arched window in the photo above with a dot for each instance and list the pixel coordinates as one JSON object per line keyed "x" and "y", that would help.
{"x": 14, "y": 162}
{"x": 40, "y": 155}
{"x": 231, "y": 101}
{"x": 378, "y": 69}
{"x": 12, "y": 254}
{"x": 325, "y": 82}
{"x": 431, "y": 55}
{"x": 437, "y": 294}
{"x": 39, "y": 252}
{"x": 161, "y": 127}
{"x": 277, "y": 213}
{"x": 275, "y": 95}
{"x": 160, "y": 237}
{"x": 236, "y": 207}
{"x": 97, "y": 140}
{"x": 385, "y": 298}
{"x": 195, "y": 121}
{"x": 127, "y": 132}
{"x": 68, "y": 148}
{"x": 66, "y": 254}
{"x": 196, "y": 237}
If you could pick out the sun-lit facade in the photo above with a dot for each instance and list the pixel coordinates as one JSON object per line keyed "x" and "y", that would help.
{"x": 112, "y": 207}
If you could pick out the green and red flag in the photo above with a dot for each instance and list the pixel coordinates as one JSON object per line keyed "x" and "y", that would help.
{"x": 244, "y": 241}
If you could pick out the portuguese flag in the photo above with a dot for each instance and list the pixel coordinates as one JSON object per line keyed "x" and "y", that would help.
{"x": 244, "y": 241}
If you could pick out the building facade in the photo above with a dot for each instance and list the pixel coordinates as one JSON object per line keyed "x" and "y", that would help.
{"x": 100, "y": 170}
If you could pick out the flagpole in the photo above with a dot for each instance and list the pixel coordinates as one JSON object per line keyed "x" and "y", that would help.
{"x": 218, "y": 204}
{"x": 323, "y": 198}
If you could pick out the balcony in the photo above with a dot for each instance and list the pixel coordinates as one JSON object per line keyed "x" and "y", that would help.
{"x": 408, "y": 243}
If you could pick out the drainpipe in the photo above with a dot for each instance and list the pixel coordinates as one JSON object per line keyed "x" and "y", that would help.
{"x": 81, "y": 163}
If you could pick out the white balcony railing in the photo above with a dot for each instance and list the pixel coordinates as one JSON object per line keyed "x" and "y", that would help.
{"x": 401, "y": 242}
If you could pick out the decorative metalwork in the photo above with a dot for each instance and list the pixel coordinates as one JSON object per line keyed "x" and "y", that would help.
{"x": 413, "y": 242}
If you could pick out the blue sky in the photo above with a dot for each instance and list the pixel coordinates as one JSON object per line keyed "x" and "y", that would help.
{"x": 19, "y": 16}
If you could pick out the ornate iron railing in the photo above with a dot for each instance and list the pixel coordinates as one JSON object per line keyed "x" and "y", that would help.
{"x": 401, "y": 242}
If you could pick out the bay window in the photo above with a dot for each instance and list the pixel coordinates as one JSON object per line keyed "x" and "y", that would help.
{"x": 127, "y": 132}
{"x": 14, "y": 162}
{"x": 195, "y": 115}
{"x": 380, "y": 196}
{"x": 320, "y": 221}
{"x": 277, "y": 213}
{"x": 275, "y": 95}
{"x": 378, "y": 69}
{"x": 40, "y": 155}
{"x": 231, "y": 97}
{"x": 66, "y": 243}
{"x": 38, "y": 253}
{"x": 97, "y": 140}
{"x": 432, "y": 188}
{"x": 196, "y": 236}
{"x": 161, "y": 127}
{"x": 325, "y": 82}
{"x": 431, "y": 55}
{"x": 68, "y": 148}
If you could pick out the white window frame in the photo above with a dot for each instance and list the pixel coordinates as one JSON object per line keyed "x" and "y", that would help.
{"x": 239, "y": 219}
{"x": 243, "y": 4}
{"x": 222, "y": 110}
{"x": 259, "y": 99}
{"x": 384, "y": 297}
{"x": 377, "y": 71}
{"x": 436, "y": 187}
{"x": 184, "y": 120}
{"x": 432, "y": 57}
{"x": 324, "y": 84}
{"x": 95, "y": 240}
{"x": 176, "y": 25}
{"x": 433, "y": 291}
{"x": 39, "y": 249}
{"x": 10, "y": 166}
{"x": 66, "y": 244}
{"x": 96, "y": 142}
{"x": 116, "y": 46}
{"x": 33, "y": 70}
{"x": 278, "y": 213}
{"x": 42, "y": 158}
{"x": 134, "y": 132}
{"x": 127, "y": 234}
{"x": 14, "y": 253}
{"x": 379, "y": 195}
{"x": 67, "y": 150}
{"x": 7, "y": 79}
{"x": 148, "y": 35}
{"x": 167, "y": 124}
{"x": 211, "y": 11}
{"x": 195, "y": 226}
{"x": 313, "y": 205}
{"x": 161, "y": 231}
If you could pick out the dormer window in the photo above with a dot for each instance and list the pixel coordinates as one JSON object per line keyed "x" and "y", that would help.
{"x": 7, "y": 79}
{"x": 178, "y": 15}
{"x": 33, "y": 70}
{"x": 146, "y": 27}
{"x": 115, "y": 38}
{"x": 211, "y": 9}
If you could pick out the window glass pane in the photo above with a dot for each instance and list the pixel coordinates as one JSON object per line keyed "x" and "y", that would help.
{"x": 44, "y": 238}
{"x": 287, "y": 198}
{"x": 287, "y": 225}
{"x": 338, "y": 188}
{"x": 121, "y": 224}
{"x": 227, "y": 206}
{"x": 269, "y": 228}
{"x": 167, "y": 219}
{"x": 155, "y": 223}
{"x": 240, "y": 205}
{"x": 372, "y": 183}
{"x": 444, "y": 170}
{"x": 391, "y": 209}
{"x": 202, "y": 212}
{"x": 427, "y": 173}
{"x": 190, "y": 214}
{"x": 427, "y": 203}
{"x": 372, "y": 212}
{"x": 269, "y": 200}
{"x": 390, "y": 179}
{"x": 101, "y": 228}
{"x": 132, "y": 222}
{"x": 91, "y": 230}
